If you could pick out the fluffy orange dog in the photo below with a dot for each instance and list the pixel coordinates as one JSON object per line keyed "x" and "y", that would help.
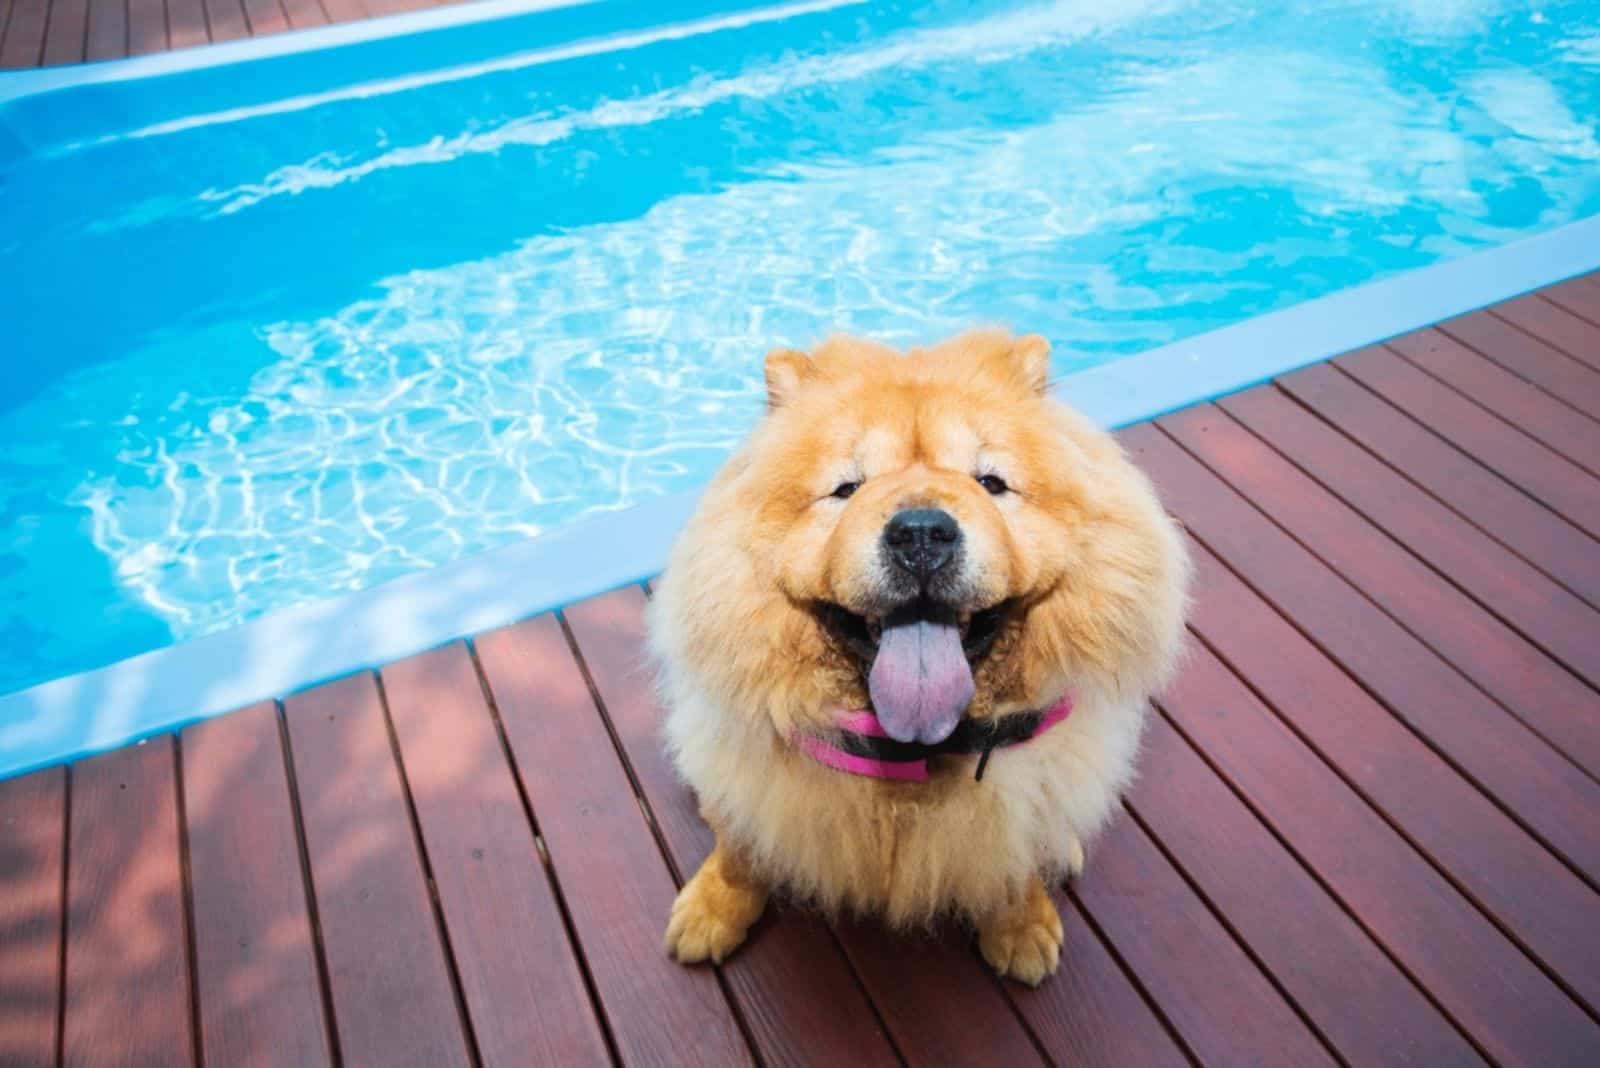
{"x": 873, "y": 626}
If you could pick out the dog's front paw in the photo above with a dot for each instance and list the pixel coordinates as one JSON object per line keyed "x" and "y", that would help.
{"x": 1024, "y": 942}
{"x": 712, "y": 914}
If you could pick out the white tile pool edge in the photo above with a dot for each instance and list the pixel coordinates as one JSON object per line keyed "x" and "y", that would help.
{"x": 167, "y": 688}
{"x": 19, "y": 83}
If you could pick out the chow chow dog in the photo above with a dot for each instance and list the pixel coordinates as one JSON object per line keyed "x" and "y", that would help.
{"x": 907, "y": 643}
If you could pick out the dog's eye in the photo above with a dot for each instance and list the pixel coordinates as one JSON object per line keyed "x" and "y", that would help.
{"x": 844, "y": 489}
{"x": 993, "y": 483}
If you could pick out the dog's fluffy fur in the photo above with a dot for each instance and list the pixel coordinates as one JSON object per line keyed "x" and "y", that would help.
{"x": 1078, "y": 546}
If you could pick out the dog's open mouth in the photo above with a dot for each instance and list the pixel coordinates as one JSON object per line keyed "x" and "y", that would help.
{"x": 860, "y": 635}
{"x": 918, "y": 661}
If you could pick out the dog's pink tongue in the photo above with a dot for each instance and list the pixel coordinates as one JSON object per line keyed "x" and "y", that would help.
{"x": 920, "y": 682}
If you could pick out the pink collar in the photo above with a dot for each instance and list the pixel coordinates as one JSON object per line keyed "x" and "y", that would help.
{"x": 862, "y": 747}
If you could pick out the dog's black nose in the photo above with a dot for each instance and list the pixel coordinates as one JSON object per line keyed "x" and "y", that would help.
{"x": 922, "y": 540}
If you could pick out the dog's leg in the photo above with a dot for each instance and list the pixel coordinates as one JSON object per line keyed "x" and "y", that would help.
{"x": 715, "y": 909}
{"x": 1023, "y": 940}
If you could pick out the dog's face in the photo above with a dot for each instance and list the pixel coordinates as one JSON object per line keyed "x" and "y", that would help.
{"x": 929, "y": 531}
{"x": 916, "y": 505}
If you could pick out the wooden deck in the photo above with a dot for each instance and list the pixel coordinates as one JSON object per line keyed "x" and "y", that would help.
{"x": 1367, "y": 830}
{"x": 47, "y": 33}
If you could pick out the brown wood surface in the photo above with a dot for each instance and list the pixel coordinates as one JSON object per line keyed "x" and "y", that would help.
{"x": 1526, "y": 407}
{"x": 1359, "y": 1001}
{"x": 1474, "y": 492}
{"x": 394, "y": 1001}
{"x": 23, "y": 45}
{"x": 33, "y": 813}
{"x": 186, "y": 23}
{"x": 935, "y": 997}
{"x": 147, "y": 27}
{"x": 1555, "y": 326}
{"x": 1542, "y": 611}
{"x": 796, "y": 989}
{"x": 265, "y": 16}
{"x": 256, "y": 975}
{"x": 304, "y": 13}
{"x": 345, "y": 10}
{"x": 612, "y": 876}
{"x": 108, "y": 30}
{"x": 1487, "y": 985}
{"x": 1536, "y": 470}
{"x": 1580, "y": 297}
{"x": 1552, "y": 370}
{"x": 522, "y": 982}
{"x": 1090, "y": 1012}
{"x": 1558, "y": 706}
{"x": 65, "y": 34}
{"x": 1221, "y": 1004}
{"x": 1545, "y": 791}
{"x": 128, "y": 999}
{"x": 1525, "y": 889}
{"x": 225, "y": 20}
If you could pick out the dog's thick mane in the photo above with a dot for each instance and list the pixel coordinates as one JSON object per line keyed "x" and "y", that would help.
{"x": 744, "y": 664}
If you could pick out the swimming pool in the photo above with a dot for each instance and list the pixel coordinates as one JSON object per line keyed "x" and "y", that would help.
{"x": 282, "y": 331}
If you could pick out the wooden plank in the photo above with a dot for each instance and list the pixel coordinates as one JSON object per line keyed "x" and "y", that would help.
{"x": 1364, "y": 1006}
{"x": 1528, "y": 408}
{"x": 65, "y": 34}
{"x": 33, "y": 835}
{"x": 225, "y": 20}
{"x": 1579, "y": 296}
{"x": 1555, "y": 326}
{"x": 935, "y": 998}
{"x": 1554, "y": 703}
{"x": 345, "y": 10}
{"x": 255, "y": 967}
{"x": 392, "y": 993}
{"x": 1090, "y": 1013}
{"x": 520, "y": 975}
{"x": 614, "y": 880}
{"x": 186, "y": 23}
{"x": 127, "y": 979}
{"x": 1530, "y": 893}
{"x": 1554, "y": 371}
{"x": 147, "y": 27}
{"x": 265, "y": 16}
{"x": 1548, "y": 794}
{"x": 1533, "y": 469}
{"x": 108, "y": 29}
{"x": 24, "y": 41}
{"x": 609, "y": 631}
{"x": 304, "y": 13}
{"x": 1563, "y": 708}
{"x": 1214, "y": 995}
{"x": 1484, "y": 981}
{"x": 1471, "y": 490}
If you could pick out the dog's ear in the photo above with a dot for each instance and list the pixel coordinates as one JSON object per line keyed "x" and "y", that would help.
{"x": 1031, "y": 354}
{"x": 787, "y": 369}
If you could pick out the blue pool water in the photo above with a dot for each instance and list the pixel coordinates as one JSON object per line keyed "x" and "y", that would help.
{"x": 259, "y": 350}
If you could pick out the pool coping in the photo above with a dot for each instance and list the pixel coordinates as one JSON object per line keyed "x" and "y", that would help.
{"x": 165, "y": 689}
{"x": 16, "y": 84}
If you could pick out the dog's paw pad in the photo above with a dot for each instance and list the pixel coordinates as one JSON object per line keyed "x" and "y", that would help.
{"x": 1028, "y": 949}
{"x": 699, "y": 930}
